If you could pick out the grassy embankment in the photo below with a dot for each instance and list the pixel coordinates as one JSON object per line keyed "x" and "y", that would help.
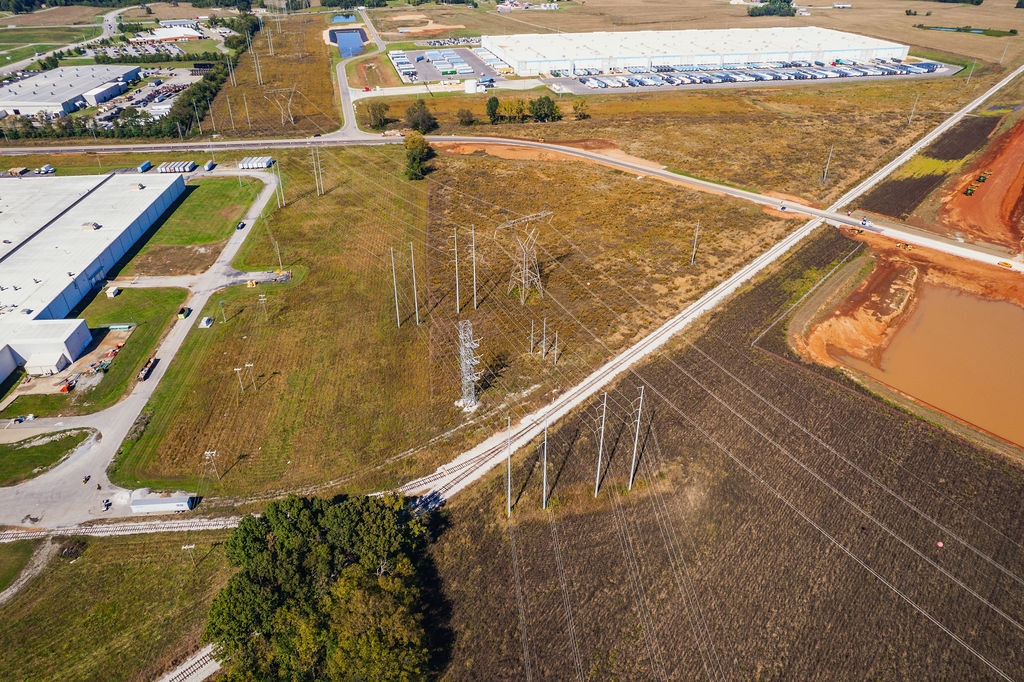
{"x": 25, "y": 458}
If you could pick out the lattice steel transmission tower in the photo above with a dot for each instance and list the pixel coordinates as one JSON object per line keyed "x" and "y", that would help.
{"x": 468, "y": 361}
{"x": 526, "y": 272}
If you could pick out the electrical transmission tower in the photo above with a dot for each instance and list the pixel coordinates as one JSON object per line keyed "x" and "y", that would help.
{"x": 468, "y": 361}
{"x": 526, "y": 271}
{"x": 283, "y": 103}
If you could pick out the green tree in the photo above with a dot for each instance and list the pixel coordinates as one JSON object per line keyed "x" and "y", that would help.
{"x": 417, "y": 151}
{"x": 377, "y": 114}
{"x": 419, "y": 118}
{"x": 325, "y": 590}
{"x": 493, "y": 107}
{"x": 580, "y": 109}
{"x": 544, "y": 109}
{"x": 466, "y": 117}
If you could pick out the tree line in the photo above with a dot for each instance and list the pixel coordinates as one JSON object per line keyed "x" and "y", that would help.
{"x": 325, "y": 590}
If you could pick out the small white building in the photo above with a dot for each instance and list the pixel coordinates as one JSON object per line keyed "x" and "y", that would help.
{"x": 104, "y": 92}
{"x": 167, "y": 35}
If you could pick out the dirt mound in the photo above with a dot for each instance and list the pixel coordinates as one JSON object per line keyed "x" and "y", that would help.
{"x": 865, "y": 322}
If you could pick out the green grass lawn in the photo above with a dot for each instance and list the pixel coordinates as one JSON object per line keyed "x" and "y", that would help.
{"x": 208, "y": 213}
{"x": 25, "y": 51}
{"x": 25, "y": 458}
{"x": 197, "y": 46}
{"x": 58, "y": 34}
{"x": 13, "y": 557}
{"x": 125, "y": 608}
{"x": 150, "y": 310}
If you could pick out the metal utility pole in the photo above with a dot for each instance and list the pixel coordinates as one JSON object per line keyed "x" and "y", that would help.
{"x": 238, "y": 373}
{"x": 316, "y": 174}
{"x": 1005, "y": 47}
{"x": 270, "y": 43}
{"x": 262, "y": 298}
{"x": 246, "y": 103}
{"x": 177, "y": 123}
{"x": 277, "y": 248}
{"x": 394, "y": 281}
{"x": 828, "y": 162}
{"x": 508, "y": 468}
{"x": 415, "y": 296}
{"x": 544, "y": 339}
{"x": 196, "y": 110}
{"x": 554, "y": 350}
{"x": 531, "y": 335}
{"x": 230, "y": 115}
{"x": 213, "y": 121}
{"x": 472, "y": 234}
{"x": 191, "y": 556}
{"x": 696, "y": 235}
{"x": 252, "y": 377}
{"x": 320, "y": 170}
{"x": 223, "y": 316}
{"x": 600, "y": 446}
{"x": 211, "y": 456}
{"x": 636, "y": 437}
{"x": 909, "y": 120}
{"x": 973, "y": 64}
{"x": 544, "y": 484}
{"x": 455, "y": 236}
{"x": 280, "y": 182}
{"x": 468, "y": 361}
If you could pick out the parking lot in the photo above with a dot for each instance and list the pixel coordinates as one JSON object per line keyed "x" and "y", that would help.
{"x": 635, "y": 79}
{"x": 435, "y": 64}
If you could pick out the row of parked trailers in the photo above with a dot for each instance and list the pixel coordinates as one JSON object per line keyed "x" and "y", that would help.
{"x": 690, "y": 75}
{"x": 176, "y": 167}
{"x": 256, "y": 162}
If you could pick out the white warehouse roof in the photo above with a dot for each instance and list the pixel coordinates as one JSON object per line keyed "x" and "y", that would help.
{"x": 55, "y": 89}
{"x": 59, "y": 236}
{"x": 535, "y": 53}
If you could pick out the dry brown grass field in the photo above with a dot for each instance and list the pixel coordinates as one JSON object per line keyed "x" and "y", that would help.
{"x": 871, "y": 17}
{"x": 342, "y": 394}
{"x": 301, "y": 61}
{"x": 777, "y": 512}
{"x": 57, "y": 16}
{"x": 181, "y": 10}
{"x": 770, "y": 139}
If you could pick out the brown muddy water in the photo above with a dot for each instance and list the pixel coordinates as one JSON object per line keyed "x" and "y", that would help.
{"x": 962, "y": 355}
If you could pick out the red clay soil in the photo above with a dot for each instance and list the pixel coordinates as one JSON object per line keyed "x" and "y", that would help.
{"x": 994, "y": 213}
{"x": 864, "y": 323}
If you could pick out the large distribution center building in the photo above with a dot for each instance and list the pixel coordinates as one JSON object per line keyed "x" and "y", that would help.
{"x": 533, "y": 54}
{"x": 60, "y": 90}
{"x": 60, "y": 236}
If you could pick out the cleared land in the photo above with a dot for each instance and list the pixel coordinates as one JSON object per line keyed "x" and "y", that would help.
{"x": 150, "y": 310}
{"x": 371, "y": 72}
{"x": 341, "y": 391}
{"x": 704, "y": 568}
{"x": 181, "y": 10}
{"x": 871, "y": 17}
{"x": 190, "y": 237}
{"x": 770, "y": 139}
{"x": 26, "y": 458}
{"x": 13, "y": 557}
{"x": 56, "y": 16}
{"x": 112, "y": 608}
{"x": 297, "y": 96}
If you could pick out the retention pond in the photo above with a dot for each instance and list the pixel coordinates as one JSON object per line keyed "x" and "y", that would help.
{"x": 958, "y": 353}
